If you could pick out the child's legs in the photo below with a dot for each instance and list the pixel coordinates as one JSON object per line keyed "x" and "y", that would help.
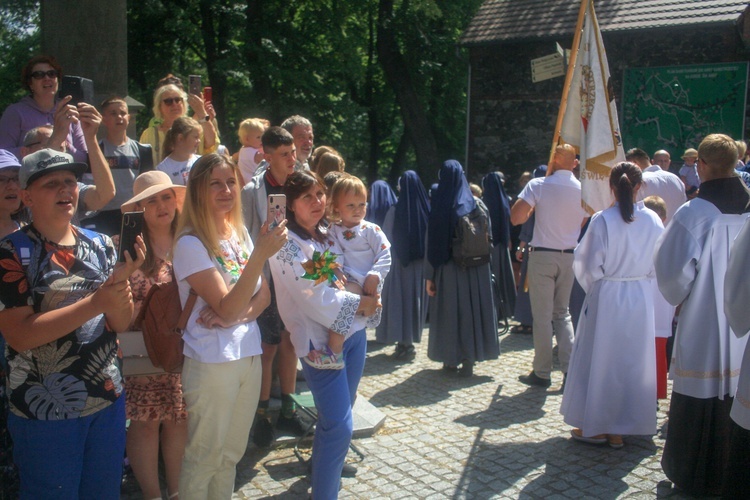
{"x": 336, "y": 340}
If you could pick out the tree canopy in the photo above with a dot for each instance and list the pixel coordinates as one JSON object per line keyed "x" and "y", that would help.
{"x": 381, "y": 80}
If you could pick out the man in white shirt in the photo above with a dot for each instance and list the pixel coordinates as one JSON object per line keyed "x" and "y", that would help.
{"x": 556, "y": 199}
{"x": 662, "y": 159}
{"x": 658, "y": 182}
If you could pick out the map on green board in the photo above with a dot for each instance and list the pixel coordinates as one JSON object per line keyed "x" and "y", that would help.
{"x": 674, "y": 107}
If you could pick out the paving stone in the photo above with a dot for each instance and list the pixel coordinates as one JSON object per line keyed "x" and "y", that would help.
{"x": 485, "y": 437}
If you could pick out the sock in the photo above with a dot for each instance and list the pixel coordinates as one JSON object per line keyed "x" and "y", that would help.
{"x": 287, "y": 406}
{"x": 262, "y": 408}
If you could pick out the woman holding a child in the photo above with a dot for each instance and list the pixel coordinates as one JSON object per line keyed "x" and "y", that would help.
{"x": 310, "y": 305}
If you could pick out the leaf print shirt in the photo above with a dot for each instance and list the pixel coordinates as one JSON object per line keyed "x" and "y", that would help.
{"x": 78, "y": 374}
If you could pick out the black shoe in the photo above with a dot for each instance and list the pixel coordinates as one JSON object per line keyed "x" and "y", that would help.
{"x": 565, "y": 379}
{"x": 263, "y": 435}
{"x": 349, "y": 470}
{"x": 403, "y": 351}
{"x": 293, "y": 425}
{"x": 450, "y": 368}
{"x": 466, "y": 370}
{"x": 533, "y": 379}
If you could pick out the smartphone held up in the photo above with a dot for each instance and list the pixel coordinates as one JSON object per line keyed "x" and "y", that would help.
{"x": 276, "y": 210}
{"x": 132, "y": 226}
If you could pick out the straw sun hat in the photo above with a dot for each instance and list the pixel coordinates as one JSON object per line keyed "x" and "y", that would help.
{"x": 150, "y": 183}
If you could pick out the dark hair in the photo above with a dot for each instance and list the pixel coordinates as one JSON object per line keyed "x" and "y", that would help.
{"x": 295, "y": 186}
{"x": 26, "y": 71}
{"x": 170, "y": 79}
{"x": 636, "y": 154}
{"x": 274, "y": 137}
{"x": 623, "y": 179}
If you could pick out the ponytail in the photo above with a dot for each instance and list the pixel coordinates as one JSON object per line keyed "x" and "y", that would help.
{"x": 623, "y": 179}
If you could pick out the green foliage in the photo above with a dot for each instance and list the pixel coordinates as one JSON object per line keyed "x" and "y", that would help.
{"x": 272, "y": 59}
{"x": 19, "y": 41}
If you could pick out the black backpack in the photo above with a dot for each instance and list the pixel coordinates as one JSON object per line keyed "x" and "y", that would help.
{"x": 471, "y": 243}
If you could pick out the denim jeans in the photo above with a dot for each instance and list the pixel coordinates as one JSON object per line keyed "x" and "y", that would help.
{"x": 334, "y": 392}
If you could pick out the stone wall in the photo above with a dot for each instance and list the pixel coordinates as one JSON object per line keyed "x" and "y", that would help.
{"x": 512, "y": 119}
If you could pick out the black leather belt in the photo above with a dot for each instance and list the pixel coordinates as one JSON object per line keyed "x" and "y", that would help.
{"x": 542, "y": 249}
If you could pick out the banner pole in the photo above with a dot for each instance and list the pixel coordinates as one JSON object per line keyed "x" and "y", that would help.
{"x": 568, "y": 79}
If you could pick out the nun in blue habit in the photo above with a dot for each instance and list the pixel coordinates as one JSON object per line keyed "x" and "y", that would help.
{"x": 463, "y": 323}
{"x": 404, "y": 295}
{"x": 381, "y": 199}
{"x": 499, "y": 207}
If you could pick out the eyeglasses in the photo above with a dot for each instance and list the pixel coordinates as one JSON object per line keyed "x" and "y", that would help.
{"x": 172, "y": 100}
{"x": 5, "y": 180}
{"x": 38, "y": 75}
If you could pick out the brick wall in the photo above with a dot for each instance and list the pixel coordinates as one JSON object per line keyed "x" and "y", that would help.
{"x": 512, "y": 119}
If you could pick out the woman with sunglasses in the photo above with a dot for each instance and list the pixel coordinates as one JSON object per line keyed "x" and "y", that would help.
{"x": 170, "y": 103}
{"x": 41, "y": 77}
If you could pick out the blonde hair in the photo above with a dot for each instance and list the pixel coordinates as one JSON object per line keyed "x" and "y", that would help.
{"x": 196, "y": 218}
{"x": 181, "y": 126}
{"x": 741, "y": 148}
{"x": 718, "y": 152}
{"x": 656, "y": 203}
{"x": 346, "y": 184}
{"x": 475, "y": 190}
{"x": 251, "y": 125}
{"x": 158, "y": 93}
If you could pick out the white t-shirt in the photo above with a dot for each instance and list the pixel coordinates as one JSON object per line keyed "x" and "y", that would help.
{"x": 214, "y": 345}
{"x": 178, "y": 171}
{"x": 557, "y": 202}
{"x": 246, "y": 162}
{"x": 666, "y": 185}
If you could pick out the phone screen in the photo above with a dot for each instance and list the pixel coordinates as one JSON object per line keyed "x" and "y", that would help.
{"x": 276, "y": 210}
{"x": 194, "y": 84}
{"x": 132, "y": 226}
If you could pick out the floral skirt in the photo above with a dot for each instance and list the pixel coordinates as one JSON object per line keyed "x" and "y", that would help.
{"x": 155, "y": 397}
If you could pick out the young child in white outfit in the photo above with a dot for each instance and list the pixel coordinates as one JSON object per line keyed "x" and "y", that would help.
{"x": 367, "y": 259}
{"x": 250, "y": 155}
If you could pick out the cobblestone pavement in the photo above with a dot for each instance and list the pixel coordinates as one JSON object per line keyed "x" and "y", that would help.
{"x": 488, "y": 436}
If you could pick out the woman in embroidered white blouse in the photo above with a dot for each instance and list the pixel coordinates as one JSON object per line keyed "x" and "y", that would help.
{"x": 310, "y": 304}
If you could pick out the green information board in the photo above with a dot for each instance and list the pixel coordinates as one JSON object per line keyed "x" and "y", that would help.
{"x": 674, "y": 107}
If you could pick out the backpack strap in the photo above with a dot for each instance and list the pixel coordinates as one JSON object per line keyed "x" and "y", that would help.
{"x": 23, "y": 247}
{"x": 185, "y": 314}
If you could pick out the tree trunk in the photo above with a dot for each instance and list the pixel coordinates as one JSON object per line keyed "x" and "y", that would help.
{"x": 215, "y": 41}
{"x": 416, "y": 124}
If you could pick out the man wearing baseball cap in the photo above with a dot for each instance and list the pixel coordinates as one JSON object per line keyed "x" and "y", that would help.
{"x": 62, "y": 298}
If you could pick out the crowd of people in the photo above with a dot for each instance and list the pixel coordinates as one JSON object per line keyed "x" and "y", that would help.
{"x": 342, "y": 258}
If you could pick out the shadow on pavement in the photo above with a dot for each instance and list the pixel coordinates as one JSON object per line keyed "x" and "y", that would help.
{"x": 508, "y": 410}
{"x": 544, "y": 467}
{"x": 425, "y": 387}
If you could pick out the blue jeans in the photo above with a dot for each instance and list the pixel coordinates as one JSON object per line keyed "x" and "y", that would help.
{"x": 334, "y": 392}
{"x": 71, "y": 459}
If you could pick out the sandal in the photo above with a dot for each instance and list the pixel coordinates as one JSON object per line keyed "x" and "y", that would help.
{"x": 522, "y": 329}
{"x": 577, "y": 434}
{"x": 615, "y": 441}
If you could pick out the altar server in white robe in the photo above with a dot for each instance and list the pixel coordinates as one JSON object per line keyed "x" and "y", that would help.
{"x": 690, "y": 261}
{"x": 611, "y": 385}
{"x": 736, "y": 301}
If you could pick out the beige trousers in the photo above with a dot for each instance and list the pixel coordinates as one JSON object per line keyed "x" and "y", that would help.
{"x": 550, "y": 283}
{"x": 221, "y": 402}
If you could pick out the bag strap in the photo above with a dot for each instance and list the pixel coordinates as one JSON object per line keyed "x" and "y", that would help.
{"x": 185, "y": 314}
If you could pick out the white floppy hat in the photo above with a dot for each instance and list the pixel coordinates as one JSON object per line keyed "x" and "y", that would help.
{"x": 150, "y": 183}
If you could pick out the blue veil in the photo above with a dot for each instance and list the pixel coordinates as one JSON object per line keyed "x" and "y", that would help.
{"x": 410, "y": 222}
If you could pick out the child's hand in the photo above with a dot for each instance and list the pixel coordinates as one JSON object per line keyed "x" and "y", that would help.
{"x": 371, "y": 284}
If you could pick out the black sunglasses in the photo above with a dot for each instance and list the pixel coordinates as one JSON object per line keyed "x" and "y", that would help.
{"x": 38, "y": 75}
{"x": 171, "y": 100}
